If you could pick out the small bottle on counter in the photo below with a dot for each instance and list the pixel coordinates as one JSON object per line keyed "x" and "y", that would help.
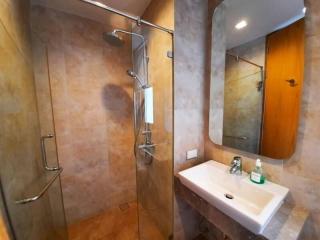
{"x": 256, "y": 175}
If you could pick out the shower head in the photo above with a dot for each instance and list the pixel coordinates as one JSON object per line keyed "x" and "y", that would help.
{"x": 113, "y": 38}
{"x": 136, "y": 77}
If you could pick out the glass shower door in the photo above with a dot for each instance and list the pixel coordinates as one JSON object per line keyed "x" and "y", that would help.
{"x": 242, "y": 119}
{"x": 154, "y": 165}
{"x": 31, "y": 197}
{"x": 42, "y": 74}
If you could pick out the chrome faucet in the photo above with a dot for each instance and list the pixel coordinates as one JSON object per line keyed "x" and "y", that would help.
{"x": 236, "y": 166}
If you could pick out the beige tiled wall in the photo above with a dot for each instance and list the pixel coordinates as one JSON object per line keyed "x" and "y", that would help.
{"x": 189, "y": 75}
{"x": 19, "y": 146}
{"x": 189, "y": 72}
{"x": 92, "y": 110}
{"x": 242, "y": 99}
{"x": 300, "y": 173}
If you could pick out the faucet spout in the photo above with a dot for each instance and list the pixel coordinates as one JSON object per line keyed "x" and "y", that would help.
{"x": 236, "y": 166}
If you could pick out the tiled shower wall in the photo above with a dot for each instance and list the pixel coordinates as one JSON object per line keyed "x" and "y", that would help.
{"x": 154, "y": 181}
{"x": 242, "y": 98}
{"x": 20, "y": 155}
{"x": 92, "y": 110}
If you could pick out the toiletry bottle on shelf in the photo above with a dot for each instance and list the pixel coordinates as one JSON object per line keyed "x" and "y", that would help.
{"x": 256, "y": 175}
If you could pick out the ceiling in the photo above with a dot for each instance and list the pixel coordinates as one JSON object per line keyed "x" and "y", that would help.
{"x": 76, "y": 7}
{"x": 262, "y": 16}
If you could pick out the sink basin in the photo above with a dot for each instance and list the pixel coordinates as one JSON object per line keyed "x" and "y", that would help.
{"x": 252, "y": 205}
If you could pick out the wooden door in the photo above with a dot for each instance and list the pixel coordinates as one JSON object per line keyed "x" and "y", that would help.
{"x": 283, "y": 86}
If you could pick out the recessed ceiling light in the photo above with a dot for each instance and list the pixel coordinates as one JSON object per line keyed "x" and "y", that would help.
{"x": 304, "y": 10}
{"x": 241, "y": 24}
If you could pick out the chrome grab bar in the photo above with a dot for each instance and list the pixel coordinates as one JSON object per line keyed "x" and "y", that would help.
{"x": 44, "y": 153}
{"x": 42, "y": 192}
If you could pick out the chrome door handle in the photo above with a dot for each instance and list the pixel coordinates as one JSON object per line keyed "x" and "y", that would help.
{"x": 44, "y": 153}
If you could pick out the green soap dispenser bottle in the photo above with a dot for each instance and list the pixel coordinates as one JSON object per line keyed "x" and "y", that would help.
{"x": 256, "y": 175}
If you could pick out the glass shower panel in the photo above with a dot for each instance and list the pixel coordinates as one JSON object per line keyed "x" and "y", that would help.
{"x": 243, "y": 111}
{"x": 22, "y": 172}
{"x": 42, "y": 76}
{"x": 154, "y": 165}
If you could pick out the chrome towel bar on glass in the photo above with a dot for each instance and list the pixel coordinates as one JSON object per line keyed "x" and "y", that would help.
{"x": 42, "y": 192}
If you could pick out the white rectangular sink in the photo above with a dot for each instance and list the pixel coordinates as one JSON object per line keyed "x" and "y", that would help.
{"x": 252, "y": 205}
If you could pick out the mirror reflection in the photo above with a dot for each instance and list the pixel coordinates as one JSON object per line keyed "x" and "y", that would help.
{"x": 257, "y": 75}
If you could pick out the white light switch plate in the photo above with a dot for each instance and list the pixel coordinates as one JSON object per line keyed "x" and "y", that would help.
{"x": 192, "y": 154}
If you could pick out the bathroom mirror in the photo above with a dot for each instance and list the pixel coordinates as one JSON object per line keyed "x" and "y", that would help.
{"x": 257, "y": 70}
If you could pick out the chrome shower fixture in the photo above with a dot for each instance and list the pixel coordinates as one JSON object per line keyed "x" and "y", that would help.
{"x": 136, "y": 77}
{"x": 137, "y": 19}
{"x": 114, "y": 39}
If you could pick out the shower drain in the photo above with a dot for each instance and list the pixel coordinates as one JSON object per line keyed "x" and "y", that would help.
{"x": 124, "y": 206}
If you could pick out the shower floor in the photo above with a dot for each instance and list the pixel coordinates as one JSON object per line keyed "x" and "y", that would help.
{"x": 120, "y": 223}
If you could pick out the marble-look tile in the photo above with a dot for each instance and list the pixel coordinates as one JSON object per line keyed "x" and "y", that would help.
{"x": 242, "y": 100}
{"x": 92, "y": 110}
{"x": 20, "y": 160}
{"x": 288, "y": 223}
{"x": 116, "y": 224}
{"x": 188, "y": 135}
{"x": 113, "y": 224}
{"x": 186, "y": 220}
{"x": 14, "y": 16}
{"x": 189, "y": 62}
{"x": 302, "y": 190}
{"x": 189, "y": 74}
{"x": 154, "y": 181}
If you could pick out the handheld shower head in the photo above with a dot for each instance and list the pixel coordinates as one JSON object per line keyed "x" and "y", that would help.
{"x": 132, "y": 74}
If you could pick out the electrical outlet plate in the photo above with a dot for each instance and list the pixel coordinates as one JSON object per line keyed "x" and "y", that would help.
{"x": 192, "y": 154}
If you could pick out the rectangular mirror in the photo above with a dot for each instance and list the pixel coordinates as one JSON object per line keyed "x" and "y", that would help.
{"x": 257, "y": 70}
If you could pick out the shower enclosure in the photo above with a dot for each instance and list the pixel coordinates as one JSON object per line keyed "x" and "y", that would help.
{"x": 97, "y": 154}
{"x": 243, "y": 103}
{"x": 154, "y": 142}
